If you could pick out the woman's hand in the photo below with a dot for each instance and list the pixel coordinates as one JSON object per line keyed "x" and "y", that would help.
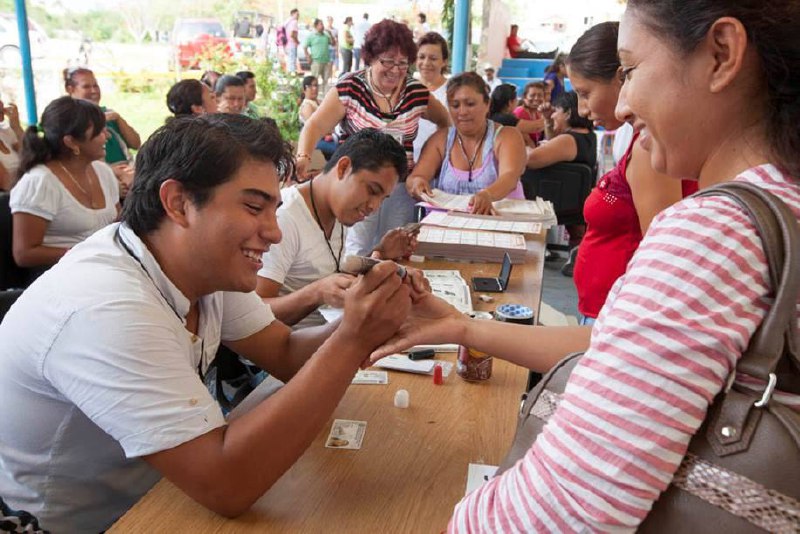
{"x": 397, "y": 244}
{"x": 301, "y": 167}
{"x": 431, "y": 321}
{"x": 481, "y": 203}
{"x": 418, "y": 186}
{"x": 546, "y": 110}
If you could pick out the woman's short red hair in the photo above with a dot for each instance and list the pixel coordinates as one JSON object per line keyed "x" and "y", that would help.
{"x": 385, "y": 35}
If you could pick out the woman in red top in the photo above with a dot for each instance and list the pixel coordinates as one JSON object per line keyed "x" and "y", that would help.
{"x": 532, "y": 98}
{"x": 619, "y": 210}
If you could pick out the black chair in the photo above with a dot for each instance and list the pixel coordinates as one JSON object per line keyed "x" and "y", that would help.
{"x": 566, "y": 185}
{"x": 12, "y": 276}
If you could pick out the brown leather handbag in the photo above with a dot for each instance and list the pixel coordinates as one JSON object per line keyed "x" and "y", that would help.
{"x": 742, "y": 470}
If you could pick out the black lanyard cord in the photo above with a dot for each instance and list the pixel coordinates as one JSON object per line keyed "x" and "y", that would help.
{"x": 336, "y": 259}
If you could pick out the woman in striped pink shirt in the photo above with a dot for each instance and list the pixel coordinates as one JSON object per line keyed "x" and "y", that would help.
{"x": 713, "y": 89}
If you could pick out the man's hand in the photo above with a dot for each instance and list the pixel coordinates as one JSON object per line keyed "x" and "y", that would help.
{"x": 417, "y": 186}
{"x": 481, "y": 203}
{"x": 431, "y": 321}
{"x": 375, "y": 306}
{"x": 332, "y": 289}
{"x": 397, "y": 244}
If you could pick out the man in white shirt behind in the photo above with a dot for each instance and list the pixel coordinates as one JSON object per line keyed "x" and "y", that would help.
{"x": 302, "y": 272}
{"x": 359, "y": 33}
{"x": 102, "y": 359}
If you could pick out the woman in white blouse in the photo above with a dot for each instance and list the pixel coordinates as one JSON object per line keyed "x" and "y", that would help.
{"x": 67, "y": 191}
{"x": 432, "y": 56}
{"x": 10, "y": 140}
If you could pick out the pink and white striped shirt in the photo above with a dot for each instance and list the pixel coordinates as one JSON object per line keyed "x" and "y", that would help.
{"x": 669, "y": 334}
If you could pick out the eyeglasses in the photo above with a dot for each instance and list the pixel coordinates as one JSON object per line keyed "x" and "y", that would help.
{"x": 389, "y": 64}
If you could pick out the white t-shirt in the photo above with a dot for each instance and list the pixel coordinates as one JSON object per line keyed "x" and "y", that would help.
{"x": 40, "y": 192}
{"x": 302, "y": 256}
{"x": 494, "y": 84}
{"x": 11, "y": 160}
{"x": 98, "y": 369}
{"x": 359, "y": 32}
{"x": 426, "y": 127}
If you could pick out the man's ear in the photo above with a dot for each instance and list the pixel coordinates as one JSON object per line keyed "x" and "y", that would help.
{"x": 342, "y": 166}
{"x": 175, "y": 200}
{"x": 726, "y": 40}
{"x": 197, "y": 109}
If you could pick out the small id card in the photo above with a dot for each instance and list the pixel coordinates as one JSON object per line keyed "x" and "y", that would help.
{"x": 346, "y": 434}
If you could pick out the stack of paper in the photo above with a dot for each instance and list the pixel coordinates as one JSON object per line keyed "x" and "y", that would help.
{"x": 470, "y": 245}
{"x": 450, "y": 287}
{"x": 538, "y": 210}
{"x": 489, "y": 223}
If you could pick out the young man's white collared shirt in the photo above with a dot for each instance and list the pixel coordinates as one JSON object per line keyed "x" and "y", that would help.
{"x": 302, "y": 257}
{"x": 96, "y": 370}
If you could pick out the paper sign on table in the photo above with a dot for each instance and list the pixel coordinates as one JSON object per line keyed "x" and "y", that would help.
{"x": 478, "y": 475}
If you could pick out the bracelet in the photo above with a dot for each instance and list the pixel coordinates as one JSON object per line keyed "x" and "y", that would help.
{"x": 302, "y": 155}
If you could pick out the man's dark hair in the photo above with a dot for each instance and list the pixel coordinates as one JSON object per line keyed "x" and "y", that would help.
{"x": 201, "y": 153}
{"x": 245, "y": 75}
{"x": 227, "y": 81}
{"x": 422, "y": 17}
{"x": 293, "y": 11}
{"x": 372, "y": 150}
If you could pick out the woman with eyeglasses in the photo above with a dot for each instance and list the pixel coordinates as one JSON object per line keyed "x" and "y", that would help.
{"x": 382, "y": 96}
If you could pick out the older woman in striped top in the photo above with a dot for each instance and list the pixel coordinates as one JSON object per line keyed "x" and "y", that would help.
{"x": 382, "y": 96}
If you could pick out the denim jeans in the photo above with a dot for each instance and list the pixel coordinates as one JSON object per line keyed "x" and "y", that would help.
{"x": 291, "y": 58}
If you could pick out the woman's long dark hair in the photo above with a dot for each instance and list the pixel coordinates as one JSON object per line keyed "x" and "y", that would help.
{"x": 501, "y": 96}
{"x": 62, "y": 117}
{"x": 772, "y": 29}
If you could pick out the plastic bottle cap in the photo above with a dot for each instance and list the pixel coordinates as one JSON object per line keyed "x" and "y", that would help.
{"x": 437, "y": 375}
{"x": 401, "y": 399}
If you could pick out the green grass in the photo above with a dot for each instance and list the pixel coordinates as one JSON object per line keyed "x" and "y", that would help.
{"x": 145, "y": 112}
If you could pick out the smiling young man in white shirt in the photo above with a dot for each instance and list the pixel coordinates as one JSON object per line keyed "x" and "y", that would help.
{"x": 102, "y": 359}
{"x": 302, "y": 272}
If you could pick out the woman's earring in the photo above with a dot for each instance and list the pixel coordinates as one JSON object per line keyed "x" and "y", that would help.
{"x": 76, "y": 151}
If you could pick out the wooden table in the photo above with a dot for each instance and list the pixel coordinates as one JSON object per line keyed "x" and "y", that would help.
{"x": 412, "y": 467}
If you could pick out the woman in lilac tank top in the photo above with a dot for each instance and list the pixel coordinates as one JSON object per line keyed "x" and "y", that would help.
{"x": 475, "y": 157}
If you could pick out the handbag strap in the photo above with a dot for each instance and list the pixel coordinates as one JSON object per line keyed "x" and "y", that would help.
{"x": 777, "y": 227}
